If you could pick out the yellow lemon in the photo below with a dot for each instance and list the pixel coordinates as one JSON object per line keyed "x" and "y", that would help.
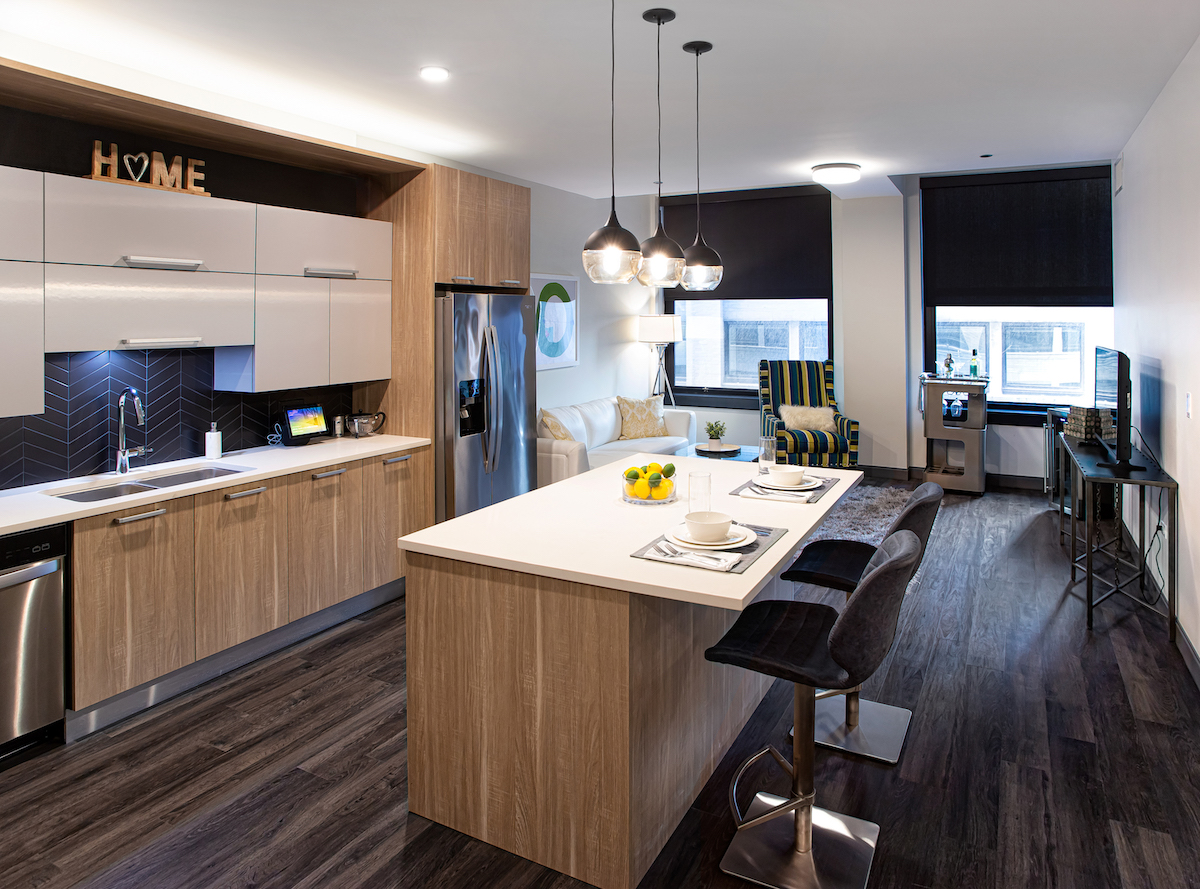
{"x": 628, "y": 489}
{"x": 641, "y": 489}
{"x": 662, "y": 492}
{"x": 654, "y": 467}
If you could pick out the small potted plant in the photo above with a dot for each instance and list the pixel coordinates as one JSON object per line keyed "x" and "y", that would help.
{"x": 715, "y": 430}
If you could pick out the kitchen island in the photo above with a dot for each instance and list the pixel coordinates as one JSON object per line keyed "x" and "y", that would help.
{"x": 559, "y": 703}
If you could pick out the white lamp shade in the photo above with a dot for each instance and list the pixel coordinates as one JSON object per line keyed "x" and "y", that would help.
{"x": 660, "y": 328}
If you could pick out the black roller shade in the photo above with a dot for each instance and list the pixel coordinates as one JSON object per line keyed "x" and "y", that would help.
{"x": 775, "y": 243}
{"x": 1018, "y": 239}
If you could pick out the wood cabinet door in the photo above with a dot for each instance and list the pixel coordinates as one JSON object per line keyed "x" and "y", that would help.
{"x": 133, "y": 598}
{"x": 325, "y": 537}
{"x": 460, "y": 200}
{"x": 507, "y": 234}
{"x": 22, "y": 359}
{"x": 241, "y": 563}
{"x": 388, "y": 510}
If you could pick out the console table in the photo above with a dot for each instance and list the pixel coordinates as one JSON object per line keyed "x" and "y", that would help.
{"x": 1085, "y": 458}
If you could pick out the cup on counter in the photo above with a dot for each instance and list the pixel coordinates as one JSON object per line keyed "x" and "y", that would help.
{"x": 766, "y": 453}
{"x": 339, "y": 426}
{"x": 699, "y": 492}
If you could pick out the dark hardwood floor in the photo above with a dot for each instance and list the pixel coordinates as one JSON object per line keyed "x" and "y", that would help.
{"x": 1039, "y": 755}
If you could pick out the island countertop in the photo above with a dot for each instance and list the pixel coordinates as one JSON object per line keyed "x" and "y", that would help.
{"x": 581, "y": 530}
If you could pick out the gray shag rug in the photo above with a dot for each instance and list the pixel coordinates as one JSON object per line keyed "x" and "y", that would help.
{"x": 863, "y": 514}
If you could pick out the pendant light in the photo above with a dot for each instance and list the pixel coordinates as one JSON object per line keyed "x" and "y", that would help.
{"x": 662, "y": 258}
{"x": 611, "y": 255}
{"x": 703, "y": 268}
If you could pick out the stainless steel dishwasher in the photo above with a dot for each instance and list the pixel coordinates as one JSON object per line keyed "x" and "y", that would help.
{"x": 32, "y": 632}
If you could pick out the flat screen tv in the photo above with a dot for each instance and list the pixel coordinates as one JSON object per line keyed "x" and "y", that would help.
{"x": 1113, "y": 392}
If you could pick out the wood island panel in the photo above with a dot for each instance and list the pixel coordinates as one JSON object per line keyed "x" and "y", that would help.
{"x": 132, "y": 599}
{"x": 241, "y": 564}
{"x": 325, "y": 538}
{"x": 569, "y": 724}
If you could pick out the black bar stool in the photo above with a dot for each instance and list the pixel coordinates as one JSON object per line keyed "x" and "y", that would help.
{"x": 864, "y": 728}
{"x": 788, "y": 842}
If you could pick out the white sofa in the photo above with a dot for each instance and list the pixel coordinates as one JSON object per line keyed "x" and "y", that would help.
{"x": 596, "y": 428}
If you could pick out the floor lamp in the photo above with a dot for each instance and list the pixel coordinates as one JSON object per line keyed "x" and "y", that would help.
{"x": 659, "y": 330}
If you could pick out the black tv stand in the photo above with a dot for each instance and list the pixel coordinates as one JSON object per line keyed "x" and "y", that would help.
{"x": 1117, "y": 466}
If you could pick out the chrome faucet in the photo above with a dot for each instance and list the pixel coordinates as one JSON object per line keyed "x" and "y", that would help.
{"x": 124, "y": 453}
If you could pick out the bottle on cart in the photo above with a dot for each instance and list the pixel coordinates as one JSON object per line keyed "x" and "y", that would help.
{"x": 948, "y": 364}
{"x": 974, "y": 362}
{"x": 956, "y": 407}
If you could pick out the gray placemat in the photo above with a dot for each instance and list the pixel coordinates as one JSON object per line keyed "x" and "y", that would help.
{"x": 764, "y": 539}
{"x": 813, "y": 496}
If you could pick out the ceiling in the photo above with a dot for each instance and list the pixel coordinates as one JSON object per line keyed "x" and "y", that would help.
{"x": 899, "y": 87}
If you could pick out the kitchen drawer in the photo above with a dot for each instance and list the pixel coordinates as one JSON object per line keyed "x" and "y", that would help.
{"x": 360, "y": 331}
{"x": 22, "y": 363}
{"x": 91, "y": 308}
{"x": 20, "y": 214}
{"x": 291, "y": 339}
{"x": 299, "y": 242}
{"x": 91, "y": 222}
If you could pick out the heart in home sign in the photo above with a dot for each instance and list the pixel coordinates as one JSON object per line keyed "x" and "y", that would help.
{"x": 148, "y": 170}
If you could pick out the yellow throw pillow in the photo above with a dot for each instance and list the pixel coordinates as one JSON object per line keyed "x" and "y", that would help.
{"x": 641, "y": 417}
{"x": 800, "y": 416}
{"x": 557, "y": 429}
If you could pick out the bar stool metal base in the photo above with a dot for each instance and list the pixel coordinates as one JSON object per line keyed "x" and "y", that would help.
{"x": 842, "y": 850}
{"x": 879, "y": 735}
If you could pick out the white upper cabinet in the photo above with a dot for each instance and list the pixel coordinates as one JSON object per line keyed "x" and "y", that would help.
{"x": 360, "y": 331}
{"x": 92, "y": 222}
{"x": 22, "y": 364}
{"x": 301, "y": 242}
{"x": 291, "y": 339}
{"x": 89, "y": 308}
{"x": 20, "y": 214}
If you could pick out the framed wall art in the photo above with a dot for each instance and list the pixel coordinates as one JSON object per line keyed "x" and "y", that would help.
{"x": 557, "y": 320}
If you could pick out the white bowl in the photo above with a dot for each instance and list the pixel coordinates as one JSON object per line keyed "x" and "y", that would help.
{"x": 708, "y": 527}
{"x": 785, "y": 474}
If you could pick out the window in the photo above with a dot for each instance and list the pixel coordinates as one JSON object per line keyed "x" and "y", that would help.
{"x": 724, "y": 339}
{"x": 1033, "y": 355}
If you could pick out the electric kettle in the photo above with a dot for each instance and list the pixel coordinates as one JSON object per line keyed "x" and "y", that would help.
{"x": 359, "y": 425}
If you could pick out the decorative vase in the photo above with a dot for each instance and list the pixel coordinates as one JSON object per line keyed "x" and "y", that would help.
{"x": 714, "y": 444}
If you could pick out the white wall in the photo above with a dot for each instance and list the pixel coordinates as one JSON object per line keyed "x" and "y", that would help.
{"x": 1156, "y": 246}
{"x": 611, "y": 361}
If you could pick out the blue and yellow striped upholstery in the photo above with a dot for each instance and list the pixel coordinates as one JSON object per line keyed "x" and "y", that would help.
{"x": 809, "y": 383}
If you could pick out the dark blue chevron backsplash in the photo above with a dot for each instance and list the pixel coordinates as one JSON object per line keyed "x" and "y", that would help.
{"x": 77, "y": 435}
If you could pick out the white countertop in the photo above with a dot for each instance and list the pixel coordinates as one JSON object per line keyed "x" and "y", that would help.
{"x": 34, "y": 506}
{"x": 580, "y": 529}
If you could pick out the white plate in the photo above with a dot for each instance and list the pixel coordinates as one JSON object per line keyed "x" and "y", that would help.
{"x": 807, "y": 485}
{"x": 738, "y": 536}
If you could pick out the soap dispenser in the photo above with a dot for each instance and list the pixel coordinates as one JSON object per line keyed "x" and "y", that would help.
{"x": 212, "y": 443}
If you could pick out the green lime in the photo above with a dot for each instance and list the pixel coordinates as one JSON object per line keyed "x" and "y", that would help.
{"x": 632, "y": 474}
{"x": 655, "y": 479}
{"x": 668, "y": 470}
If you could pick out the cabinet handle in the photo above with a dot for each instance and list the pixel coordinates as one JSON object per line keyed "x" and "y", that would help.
{"x": 330, "y": 273}
{"x": 159, "y": 262}
{"x": 240, "y": 494}
{"x": 137, "y": 518}
{"x": 461, "y": 278}
{"x": 391, "y": 460}
{"x": 169, "y": 342}
{"x": 510, "y": 282}
{"x": 332, "y": 472}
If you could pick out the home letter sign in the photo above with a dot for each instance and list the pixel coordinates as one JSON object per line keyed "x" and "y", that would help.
{"x": 168, "y": 176}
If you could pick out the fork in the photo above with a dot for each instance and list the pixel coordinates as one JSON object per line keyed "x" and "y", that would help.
{"x": 673, "y": 551}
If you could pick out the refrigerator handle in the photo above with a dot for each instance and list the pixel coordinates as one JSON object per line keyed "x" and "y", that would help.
{"x": 497, "y": 373}
{"x": 488, "y": 419}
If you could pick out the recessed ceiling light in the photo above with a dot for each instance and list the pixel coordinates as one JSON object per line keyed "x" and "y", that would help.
{"x": 434, "y": 73}
{"x": 836, "y": 174}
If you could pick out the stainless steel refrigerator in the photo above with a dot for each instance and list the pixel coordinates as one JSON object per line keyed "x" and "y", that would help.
{"x": 486, "y": 394}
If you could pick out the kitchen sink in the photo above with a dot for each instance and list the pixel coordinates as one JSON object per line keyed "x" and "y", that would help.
{"x": 190, "y": 475}
{"x": 106, "y": 493}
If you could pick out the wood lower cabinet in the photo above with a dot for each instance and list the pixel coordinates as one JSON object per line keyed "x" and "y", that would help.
{"x": 133, "y": 598}
{"x": 325, "y": 537}
{"x": 388, "y": 487}
{"x": 241, "y": 563}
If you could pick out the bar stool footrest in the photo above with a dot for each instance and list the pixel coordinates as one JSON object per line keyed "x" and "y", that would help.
{"x": 842, "y": 850}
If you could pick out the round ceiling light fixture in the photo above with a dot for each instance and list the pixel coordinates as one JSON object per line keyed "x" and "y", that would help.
{"x": 434, "y": 73}
{"x": 836, "y": 174}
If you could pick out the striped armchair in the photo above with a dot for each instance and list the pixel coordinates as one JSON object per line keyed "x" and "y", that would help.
{"x": 809, "y": 383}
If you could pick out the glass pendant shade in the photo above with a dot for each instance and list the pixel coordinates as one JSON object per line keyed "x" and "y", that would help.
{"x": 662, "y": 261}
{"x": 611, "y": 255}
{"x": 703, "y": 269}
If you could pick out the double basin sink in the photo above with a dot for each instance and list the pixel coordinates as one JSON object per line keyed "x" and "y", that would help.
{"x": 184, "y": 477}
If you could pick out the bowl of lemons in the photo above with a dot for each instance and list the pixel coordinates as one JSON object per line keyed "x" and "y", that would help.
{"x": 651, "y": 484}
